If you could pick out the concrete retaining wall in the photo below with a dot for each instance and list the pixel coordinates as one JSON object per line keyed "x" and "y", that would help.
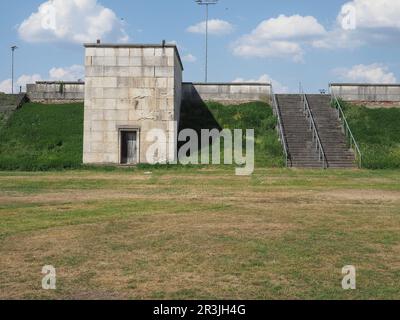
{"x": 366, "y": 92}
{"x": 56, "y": 92}
{"x": 226, "y": 92}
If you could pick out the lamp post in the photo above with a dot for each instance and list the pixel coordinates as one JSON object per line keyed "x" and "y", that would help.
{"x": 206, "y": 3}
{"x": 13, "y": 48}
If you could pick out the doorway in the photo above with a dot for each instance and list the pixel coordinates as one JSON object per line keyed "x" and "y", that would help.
{"x": 129, "y": 147}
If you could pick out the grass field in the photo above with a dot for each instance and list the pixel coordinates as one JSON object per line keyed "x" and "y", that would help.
{"x": 200, "y": 233}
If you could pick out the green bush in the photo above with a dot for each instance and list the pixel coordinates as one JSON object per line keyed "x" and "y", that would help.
{"x": 42, "y": 137}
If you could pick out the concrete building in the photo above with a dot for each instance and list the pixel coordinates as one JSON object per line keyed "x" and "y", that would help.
{"x": 130, "y": 90}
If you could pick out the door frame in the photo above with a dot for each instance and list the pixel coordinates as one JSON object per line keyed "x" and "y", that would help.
{"x": 127, "y": 129}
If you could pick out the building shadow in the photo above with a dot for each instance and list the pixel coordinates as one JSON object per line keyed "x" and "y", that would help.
{"x": 196, "y": 115}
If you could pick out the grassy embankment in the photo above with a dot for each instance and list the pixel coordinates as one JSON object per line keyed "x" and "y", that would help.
{"x": 47, "y": 137}
{"x": 378, "y": 133}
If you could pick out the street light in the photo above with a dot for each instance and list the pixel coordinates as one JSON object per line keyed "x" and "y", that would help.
{"x": 13, "y": 48}
{"x": 206, "y": 3}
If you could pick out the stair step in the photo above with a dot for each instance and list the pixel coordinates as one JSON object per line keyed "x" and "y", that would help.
{"x": 299, "y": 136}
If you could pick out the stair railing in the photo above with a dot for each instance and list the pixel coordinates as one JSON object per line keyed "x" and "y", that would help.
{"x": 349, "y": 134}
{"x": 282, "y": 138}
{"x": 313, "y": 128}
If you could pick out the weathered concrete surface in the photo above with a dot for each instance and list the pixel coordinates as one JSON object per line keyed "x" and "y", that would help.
{"x": 56, "y": 92}
{"x": 10, "y": 103}
{"x": 130, "y": 87}
{"x": 366, "y": 92}
{"x": 226, "y": 92}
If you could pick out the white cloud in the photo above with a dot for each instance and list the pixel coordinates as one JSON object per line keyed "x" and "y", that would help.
{"x": 74, "y": 21}
{"x": 215, "y": 27}
{"x": 25, "y": 79}
{"x": 373, "y": 73}
{"x": 265, "y": 78}
{"x": 5, "y": 86}
{"x": 22, "y": 81}
{"x": 189, "y": 58}
{"x": 370, "y": 22}
{"x": 281, "y": 36}
{"x": 375, "y": 13}
{"x": 72, "y": 73}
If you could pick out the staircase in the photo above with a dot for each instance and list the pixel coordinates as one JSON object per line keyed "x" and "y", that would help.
{"x": 301, "y": 147}
{"x": 337, "y": 152}
{"x": 299, "y": 137}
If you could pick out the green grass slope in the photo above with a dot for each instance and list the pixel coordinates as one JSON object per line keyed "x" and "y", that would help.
{"x": 254, "y": 115}
{"x": 378, "y": 133}
{"x": 42, "y": 137}
{"x": 46, "y": 137}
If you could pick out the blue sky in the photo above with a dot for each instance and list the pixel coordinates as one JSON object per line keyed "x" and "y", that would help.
{"x": 284, "y": 41}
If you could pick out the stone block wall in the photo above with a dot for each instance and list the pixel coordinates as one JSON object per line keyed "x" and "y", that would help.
{"x": 56, "y": 92}
{"x": 226, "y": 92}
{"x": 129, "y": 87}
{"x": 366, "y": 92}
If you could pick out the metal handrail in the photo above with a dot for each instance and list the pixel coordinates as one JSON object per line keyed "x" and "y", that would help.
{"x": 346, "y": 127}
{"x": 282, "y": 137}
{"x": 313, "y": 127}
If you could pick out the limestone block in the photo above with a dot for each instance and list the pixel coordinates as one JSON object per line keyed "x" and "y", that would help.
{"x": 122, "y": 52}
{"x": 94, "y": 93}
{"x": 96, "y": 136}
{"x": 139, "y": 93}
{"x": 117, "y": 115}
{"x": 109, "y": 104}
{"x": 111, "y": 158}
{"x": 169, "y": 52}
{"x": 155, "y": 61}
{"x": 90, "y": 52}
{"x": 164, "y": 71}
{"x": 140, "y": 72}
{"x": 123, "y": 61}
{"x": 171, "y": 82}
{"x": 161, "y": 82}
{"x": 114, "y": 93}
{"x": 110, "y": 136}
{"x": 96, "y": 115}
{"x": 148, "y": 52}
{"x": 136, "y": 52}
{"x": 136, "y": 61}
{"x": 88, "y": 61}
{"x": 110, "y": 52}
{"x": 94, "y": 71}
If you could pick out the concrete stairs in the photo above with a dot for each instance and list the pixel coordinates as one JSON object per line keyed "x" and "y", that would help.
{"x": 301, "y": 148}
{"x": 333, "y": 140}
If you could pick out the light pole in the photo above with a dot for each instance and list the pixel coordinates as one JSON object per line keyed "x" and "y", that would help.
{"x": 206, "y": 3}
{"x": 13, "y": 48}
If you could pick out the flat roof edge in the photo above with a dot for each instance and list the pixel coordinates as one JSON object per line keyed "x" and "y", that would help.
{"x": 60, "y": 82}
{"x": 139, "y": 46}
{"x": 366, "y": 84}
{"x": 229, "y": 83}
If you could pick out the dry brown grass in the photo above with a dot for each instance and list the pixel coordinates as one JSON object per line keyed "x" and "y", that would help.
{"x": 202, "y": 234}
